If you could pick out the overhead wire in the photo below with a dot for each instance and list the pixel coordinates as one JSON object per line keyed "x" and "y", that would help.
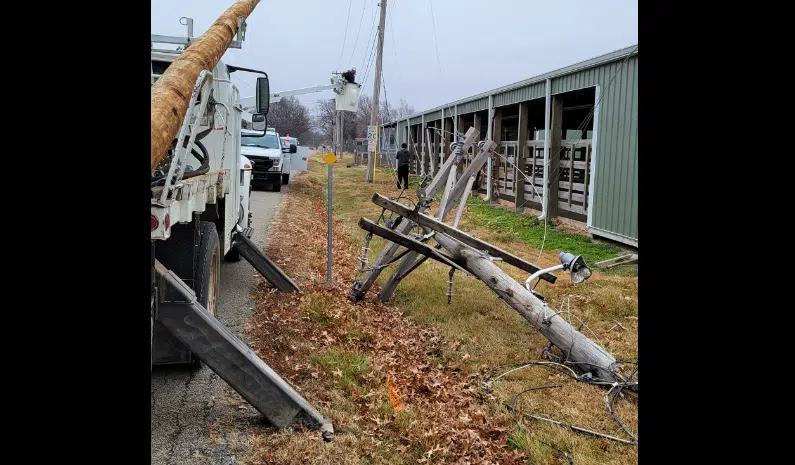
{"x": 345, "y": 37}
{"x": 435, "y": 42}
{"x": 356, "y": 42}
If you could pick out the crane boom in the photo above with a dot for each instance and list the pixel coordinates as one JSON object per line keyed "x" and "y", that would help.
{"x": 246, "y": 102}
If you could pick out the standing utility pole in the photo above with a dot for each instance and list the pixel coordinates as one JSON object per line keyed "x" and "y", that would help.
{"x": 376, "y": 90}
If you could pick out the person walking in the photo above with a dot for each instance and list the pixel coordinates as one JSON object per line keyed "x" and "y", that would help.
{"x": 403, "y": 157}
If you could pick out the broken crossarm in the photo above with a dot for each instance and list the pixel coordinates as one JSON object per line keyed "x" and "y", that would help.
{"x": 409, "y": 243}
{"x": 438, "y": 226}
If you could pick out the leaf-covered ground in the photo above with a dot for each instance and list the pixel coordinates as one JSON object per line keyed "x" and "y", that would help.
{"x": 345, "y": 357}
{"x": 401, "y": 382}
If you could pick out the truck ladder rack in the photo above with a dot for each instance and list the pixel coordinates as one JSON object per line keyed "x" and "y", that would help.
{"x": 246, "y": 248}
{"x": 230, "y": 358}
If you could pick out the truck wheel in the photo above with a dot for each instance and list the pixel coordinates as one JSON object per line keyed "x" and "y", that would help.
{"x": 285, "y": 178}
{"x": 277, "y": 186}
{"x": 208, "y": 270}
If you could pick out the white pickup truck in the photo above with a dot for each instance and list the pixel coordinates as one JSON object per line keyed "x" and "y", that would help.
{"x": 272, "y": 161}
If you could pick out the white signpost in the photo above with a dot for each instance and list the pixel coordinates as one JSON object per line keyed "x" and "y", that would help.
{"x": 372, "y": 132}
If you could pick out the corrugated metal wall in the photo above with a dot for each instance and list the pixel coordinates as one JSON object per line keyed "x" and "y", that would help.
{"x": 615, "y": 177}
{"x": 400, "y": 137}
{"x": 434, "y": 115}
{"x": 521, "y": 94}
{"x": 475, "y": 105}
{"x": 614, "y": 209}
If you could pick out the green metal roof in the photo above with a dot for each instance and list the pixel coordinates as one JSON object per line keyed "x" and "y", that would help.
{"x": 527, "y": 83}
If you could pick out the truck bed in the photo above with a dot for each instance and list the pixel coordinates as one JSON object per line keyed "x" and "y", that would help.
{"x": 191, "y": 196}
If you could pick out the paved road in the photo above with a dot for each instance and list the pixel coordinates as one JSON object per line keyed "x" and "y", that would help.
{"x": 186, "y": 403}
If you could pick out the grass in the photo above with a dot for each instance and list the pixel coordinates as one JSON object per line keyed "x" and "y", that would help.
{"x": 348, "y": 368}
{"x": 514, "y": 226}
{"x": 479, "y": 332}
{"x": 487, "y": 333}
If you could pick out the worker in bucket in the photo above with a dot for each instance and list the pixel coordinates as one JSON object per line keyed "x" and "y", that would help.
{"x": 403, "y": 166}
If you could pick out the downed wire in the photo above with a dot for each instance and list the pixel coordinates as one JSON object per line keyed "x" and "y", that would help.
{"x": 585, "y": 378}
{"x": 511, "y": 408}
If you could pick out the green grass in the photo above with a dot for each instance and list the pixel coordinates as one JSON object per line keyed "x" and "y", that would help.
{"x": 477, "y": 323}
{"x": 316, "y": 308}
{"x": 519, "y": 226}
{"x": 353, "y": 366}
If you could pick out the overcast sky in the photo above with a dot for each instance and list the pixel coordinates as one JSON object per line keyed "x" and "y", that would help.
{"x": 482, "y": 44}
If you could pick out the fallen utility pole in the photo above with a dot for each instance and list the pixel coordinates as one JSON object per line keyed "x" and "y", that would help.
{"x": 172, "y": 91}
{"x": 475, "y": 257}
{"x": 577, "y": 348}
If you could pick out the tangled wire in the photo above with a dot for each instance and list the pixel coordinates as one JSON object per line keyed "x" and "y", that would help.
{"x": 615, "y": 388}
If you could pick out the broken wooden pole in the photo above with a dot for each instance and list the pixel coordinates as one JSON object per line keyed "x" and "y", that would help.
{"x": 172, "y": 91}
{"x": 577, "y": 349}
{"x": 362, "y": 286}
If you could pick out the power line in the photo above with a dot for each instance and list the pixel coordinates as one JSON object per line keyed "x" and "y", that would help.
{"x": 372, "y": 28}
{"x": 435, "y": 42}
{"x": 367, "y": 69}
{"x": 345, "y": 37}
{"x": 394, "y": 44}
{"x": 355, "y": 43}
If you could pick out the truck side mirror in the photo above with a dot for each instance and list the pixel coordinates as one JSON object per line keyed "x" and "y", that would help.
{"x": 263, "y": 97}
{"x": 293, "y": 148}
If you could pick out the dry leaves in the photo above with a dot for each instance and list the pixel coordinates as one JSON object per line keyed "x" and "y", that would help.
{"x": 373, "y": 371}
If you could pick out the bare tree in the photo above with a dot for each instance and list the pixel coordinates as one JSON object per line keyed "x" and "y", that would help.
{"x": 289, "y": 116}
{"x": 355, "y": 125}
{"x": 404, "y": 110}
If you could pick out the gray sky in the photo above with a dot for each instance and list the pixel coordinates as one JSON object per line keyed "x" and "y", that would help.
{"x": 482, "y": 44}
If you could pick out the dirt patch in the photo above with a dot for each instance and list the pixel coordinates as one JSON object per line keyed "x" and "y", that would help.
{"x": 393, "y": 394}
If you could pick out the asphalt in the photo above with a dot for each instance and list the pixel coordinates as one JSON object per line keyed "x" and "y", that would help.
{"x": 186, "y": 404}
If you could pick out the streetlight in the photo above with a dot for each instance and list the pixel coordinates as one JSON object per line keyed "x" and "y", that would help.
{"x": 578, "y": 270}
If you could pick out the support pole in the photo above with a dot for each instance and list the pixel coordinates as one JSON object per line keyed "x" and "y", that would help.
{"x": 521, "y": 148}
{"x": 497, "y": 138}
{"x": 547, "y": 112}
{"x": 555, "y": 153}
{"x": 376, "y": 88}
{"x": 489, "y": 136}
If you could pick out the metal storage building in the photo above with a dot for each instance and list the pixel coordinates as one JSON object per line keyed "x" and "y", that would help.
{"x": 578, "y": 126}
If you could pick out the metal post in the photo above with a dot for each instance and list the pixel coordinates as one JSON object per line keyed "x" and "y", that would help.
{"x": 338, "y": 153}
{"x": 547, "y": 141}
{"x": 489, "y": 137}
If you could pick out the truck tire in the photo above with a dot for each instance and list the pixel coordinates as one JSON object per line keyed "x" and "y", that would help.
{"x": 207, "y": 281}
{"x": 285, "y": 178}
{"x": 277, "y": 186}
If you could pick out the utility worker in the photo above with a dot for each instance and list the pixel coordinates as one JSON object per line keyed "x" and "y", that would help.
{"x": 403, "y": 157}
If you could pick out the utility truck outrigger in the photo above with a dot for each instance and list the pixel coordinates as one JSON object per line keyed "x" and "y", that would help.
{"x": 199, "y": 215}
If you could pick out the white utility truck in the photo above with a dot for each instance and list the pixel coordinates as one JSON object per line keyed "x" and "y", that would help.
{"x": 200, "y": 216}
